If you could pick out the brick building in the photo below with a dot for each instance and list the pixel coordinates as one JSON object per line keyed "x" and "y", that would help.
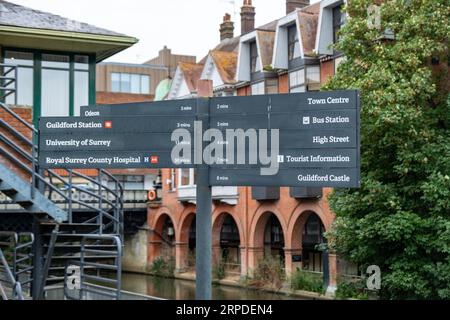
{"x": 127, "y": 82}
{"x": 287, "y": 55}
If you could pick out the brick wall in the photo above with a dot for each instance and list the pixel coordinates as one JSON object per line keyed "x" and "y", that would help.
{"x": 116, "y": 97}
{"x": 283, "y": 83}
{"x": 27, "y": 115}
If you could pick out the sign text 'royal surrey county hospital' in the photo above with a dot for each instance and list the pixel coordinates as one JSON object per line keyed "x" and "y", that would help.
{"x": 304, "y": 139}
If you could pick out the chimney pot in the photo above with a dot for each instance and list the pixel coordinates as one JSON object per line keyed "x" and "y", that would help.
{"x": 247, "y": 17}
{"x": 226, "y": 28}
{"x": 291, "y": 5}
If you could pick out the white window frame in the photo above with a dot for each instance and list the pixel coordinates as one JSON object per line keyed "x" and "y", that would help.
{"x": 191, "y": 179}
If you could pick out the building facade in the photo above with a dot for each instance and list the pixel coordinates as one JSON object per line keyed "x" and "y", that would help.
{"x": 252, "y": 223}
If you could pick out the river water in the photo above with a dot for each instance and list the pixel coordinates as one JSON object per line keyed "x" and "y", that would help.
{"x": 176, "y": 289}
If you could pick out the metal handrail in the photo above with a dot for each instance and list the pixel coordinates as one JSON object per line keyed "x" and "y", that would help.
{"x": 109, "y": 200}
{"x": 17, "y": 288}
{"x": 117, "y": 263}
{"x": 17, "y": 246}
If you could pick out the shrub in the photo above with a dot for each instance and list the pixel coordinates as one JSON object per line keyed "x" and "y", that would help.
{"x": 307, "y": 281}
{"x": 347, "y": 289}
{"x": 268, "y": 273}
{"x": 163, "y": 267}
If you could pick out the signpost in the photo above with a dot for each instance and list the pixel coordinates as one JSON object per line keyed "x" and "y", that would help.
{"x": 306, "y": 140}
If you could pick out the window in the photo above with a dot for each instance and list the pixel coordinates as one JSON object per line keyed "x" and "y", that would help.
{"x": 258, "y": 88}
{"x": 255, "y": 62}
{"x": 293, "y": 43}
{"x": 24, "y": 61}
{"x": 55, "y": 98}
{"x": 305, "y": 79}
{"x": 186, "y": 178}
{"x": 271, "y": 86}
{"x": 297, "y": 81}
{"x": 130, "y": 83}
{"x": 65, "y": 81}
{"x": 313, "y": 78}
{"x": 338, "y": 22}
{"x": 81, "y": 83}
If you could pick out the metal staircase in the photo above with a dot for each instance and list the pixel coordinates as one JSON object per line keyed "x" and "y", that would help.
{"x": 72, "y": 222}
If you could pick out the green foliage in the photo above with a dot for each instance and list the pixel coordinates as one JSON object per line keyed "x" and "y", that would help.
{"x": 307, "y": 281}
{"x": 400, "y": 218}
{"x": 163, "y": 267}
{"x": 268, "y": 273}
{"x": 219, "y": 271}
{"x": 347, "y": 289}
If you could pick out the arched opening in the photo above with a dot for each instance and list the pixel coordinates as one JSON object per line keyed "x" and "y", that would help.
{"x": 230, "y": 242}
{"x": 312, "y": 237}
{"x": 274, "y": 239}
{"x": 165, "y": 232}
{"x": 192, "y": 244}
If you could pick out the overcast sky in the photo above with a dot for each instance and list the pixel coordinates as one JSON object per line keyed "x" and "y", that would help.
{"x": 186, "y": 26}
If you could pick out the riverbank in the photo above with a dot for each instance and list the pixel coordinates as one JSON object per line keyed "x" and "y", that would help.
{"x": 227, "y": 284}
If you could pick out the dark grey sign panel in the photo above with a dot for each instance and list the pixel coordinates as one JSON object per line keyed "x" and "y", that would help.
{"x": 322, "y": 119}
{"x": 108, "y": 142}
{"x": 170, "y": 107}
{"x": 299, "y": 158}
{"x": 111, "y": 160}
{"x": 292, "y": 102}
{"x": 296, "y": 158}
{"x": 158, "y": 124}
{"x": 289, "y": 139}
{"x": 335, "y": 178}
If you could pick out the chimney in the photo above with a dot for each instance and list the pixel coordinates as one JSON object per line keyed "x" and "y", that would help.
{"x": 226, "y": 28}
{"x": 247, "y": 17}
{"x": 291, "y": 5}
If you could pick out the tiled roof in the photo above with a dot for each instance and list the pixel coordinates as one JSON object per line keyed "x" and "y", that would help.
{"x": 228, "y": 45}
{"x": 192, "y": 73}
{"x": 266, "y": 40}
{"x": 226, "y": 64}
{"x": 309, "y": 18}
{"x": 271, "y": 26}
{"x": 15, "y": 15}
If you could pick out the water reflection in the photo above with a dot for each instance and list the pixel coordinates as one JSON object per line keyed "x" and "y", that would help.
{"x": 185, "y": 290}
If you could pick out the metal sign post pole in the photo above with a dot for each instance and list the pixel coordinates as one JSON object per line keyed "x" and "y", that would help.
{"x": 203, "y": 234}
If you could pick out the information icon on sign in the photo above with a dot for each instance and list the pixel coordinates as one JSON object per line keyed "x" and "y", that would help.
{"x": 306, "y": 120}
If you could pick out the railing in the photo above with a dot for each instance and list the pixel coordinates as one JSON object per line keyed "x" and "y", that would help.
{"x": 107, "y": 203}
{"x": 8, "y": 84}
{"x": 16, "y": 287}
{"x": 105, "y": 272}
{"x": 20, "y": 247}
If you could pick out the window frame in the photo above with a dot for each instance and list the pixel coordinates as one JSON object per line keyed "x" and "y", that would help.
{"x": 141, "y": 76}
{"x": 191, "y": 178}
{"x": 292, "y": 42}
{"x": 254, "y": 57}
{"x": 37, "y": 76}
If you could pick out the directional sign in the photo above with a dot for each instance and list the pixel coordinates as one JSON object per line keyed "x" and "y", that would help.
{"x": 313, "y": 138}
{"x": 344, "y": 178}
{"x": 126, "y": 124}
{"x": 170, "y": 108}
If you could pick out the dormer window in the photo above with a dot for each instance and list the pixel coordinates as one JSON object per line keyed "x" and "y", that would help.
{"x": 293, "y": 43}
{"x": 338, "y": 22}
{"x": 254, "y": 58}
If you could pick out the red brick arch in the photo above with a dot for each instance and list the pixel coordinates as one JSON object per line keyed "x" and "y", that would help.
{"x": 184, "y": 225}
{"x": 157, "y": 221}
{"x": 259, "y": 222}
{"x": 298, "y": 219}
{"x": 218, "y": 219}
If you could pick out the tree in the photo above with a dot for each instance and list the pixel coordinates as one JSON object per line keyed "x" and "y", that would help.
{"x": 400, "y": 217}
